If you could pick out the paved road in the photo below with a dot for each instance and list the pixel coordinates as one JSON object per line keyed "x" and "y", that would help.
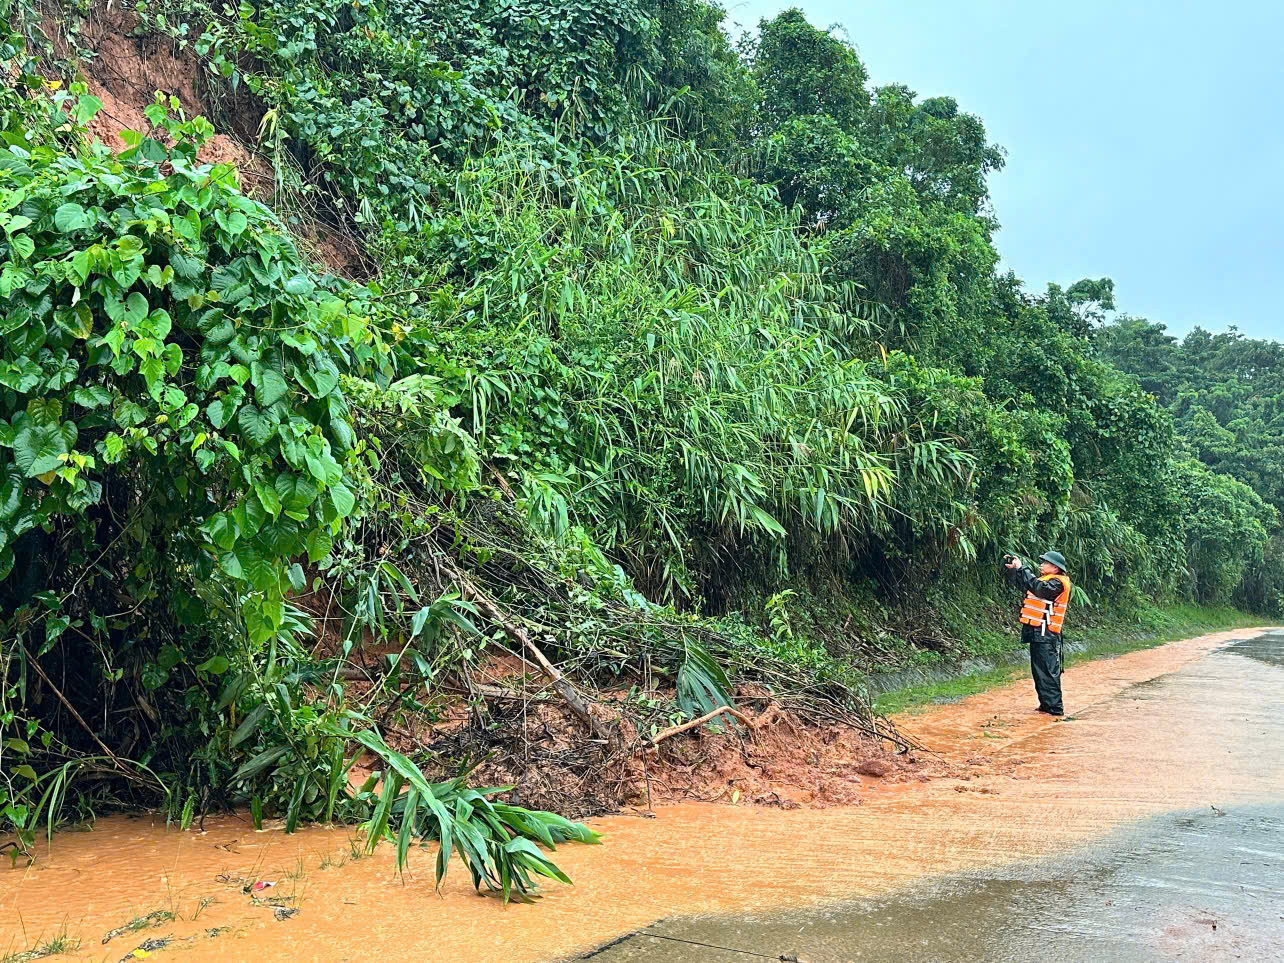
{"x": 1203, "y": 880}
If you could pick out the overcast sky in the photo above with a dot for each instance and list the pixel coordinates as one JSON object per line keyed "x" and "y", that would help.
{"x": 1145, "y": 140}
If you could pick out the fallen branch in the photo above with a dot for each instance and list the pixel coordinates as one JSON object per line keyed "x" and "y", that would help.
{"x": 509, "y": 695}
{"x": 659, "y": 737}
{"x": 72, "y": 709}
{"x": 515, "y": 632}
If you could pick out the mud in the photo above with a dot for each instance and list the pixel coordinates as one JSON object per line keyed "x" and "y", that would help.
{"x": 1202, "y": 882}
{"x": 1019, "y": 788}
{"x": 503, "y": 714}
{"x": 127, "y": 67}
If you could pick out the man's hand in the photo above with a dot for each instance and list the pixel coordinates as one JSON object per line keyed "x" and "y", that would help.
{"x": 1015, "y": 563}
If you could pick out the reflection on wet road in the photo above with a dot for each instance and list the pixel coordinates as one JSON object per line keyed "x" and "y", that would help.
{"x": 1081, "y": 840}
{"x": 1204, "y": 882}
{"x": 1200, "y": 886}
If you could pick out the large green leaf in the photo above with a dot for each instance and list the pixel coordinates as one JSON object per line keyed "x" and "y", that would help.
{"x": 135, "y": 308}
{"x": 259, "y": 763}
{"x": 87, "y": 107}
{"x": 221, "y": 410}
{"x": 22, "y": 245}
{"x": 185, "y": 266}
{"x": 10, "y": 492}
{"x": 37, "y": 449}
{"x": 321, "y": 378}
{"x": 91, "y": 396}
{"x": 21, "y": 375}
{"x": 70, "y": 217}
{"x": 270, "y": 387}
{"x": 297, "y": 491}
{"x": 319, "y": 544}
{"x": 262, "y": 573}
{"x": 344, "y": 500}
{"x": 249, "y": 725}
{"x": 255, "y": 425}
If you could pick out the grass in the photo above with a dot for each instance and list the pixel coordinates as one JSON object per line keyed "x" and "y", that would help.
{"x": 59, "y": 945}
{"x": 157, "y": 918}
{"x": 1154, "y": 626}
{"x": 946, "y": 690}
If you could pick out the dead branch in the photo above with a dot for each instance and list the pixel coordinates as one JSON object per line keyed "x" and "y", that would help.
{"x": 515, "y": 632}
{"x": 510, "y": 695}
{"x": 659, "y": 737}
{"x": 72, "y": 709}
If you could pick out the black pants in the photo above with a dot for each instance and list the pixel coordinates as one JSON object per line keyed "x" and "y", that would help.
{"x": 1045, "y": 666}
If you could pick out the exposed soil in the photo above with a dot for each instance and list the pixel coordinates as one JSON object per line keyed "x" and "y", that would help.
{"x": 126, "y": 70}
{"x": 787, "y": 763}
{"x": 503, "y": 718}
{"x": 544, "y": 752}
{"x": 129, "y": 67}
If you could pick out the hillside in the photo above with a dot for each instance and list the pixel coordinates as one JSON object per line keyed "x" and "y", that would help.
{"x": 456, "y": 393}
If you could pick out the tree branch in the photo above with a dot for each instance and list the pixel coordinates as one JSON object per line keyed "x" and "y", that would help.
{"x": 659, "y": 737}
{"x": 70, "y": 708}
{"x": 515, "y": 632}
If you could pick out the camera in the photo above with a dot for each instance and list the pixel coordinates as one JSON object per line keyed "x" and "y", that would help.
{"x": 1008, "y": 558}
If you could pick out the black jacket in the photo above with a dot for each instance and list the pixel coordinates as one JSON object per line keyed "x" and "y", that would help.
{"x": 1028, "y": 580}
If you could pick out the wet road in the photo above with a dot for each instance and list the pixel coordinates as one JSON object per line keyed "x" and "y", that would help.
{"x": 1081, "y": 840}
{"x": 1201, "y": 882}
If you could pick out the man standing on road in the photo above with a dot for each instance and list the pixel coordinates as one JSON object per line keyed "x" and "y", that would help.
{"x": 1042, "y": 614}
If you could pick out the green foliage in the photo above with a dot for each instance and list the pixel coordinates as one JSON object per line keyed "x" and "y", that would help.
{"x": 803, "y": 71}
{"x": 174, "y": 435}
{"x": 723, "y": 327}
{"x": 168, "y": 334}
{"x": 497, "y": 842}
{"x": 374, "y": 101}
{"x": 1227, "y": 528}
{"x": 171, "y": 428}
{"x": 1225, "y": 392}
{"x": 1226, "y": 395}
{"x": 544, "y": 247}
{"x": 662, "y": 361}
{"x": 702, "y": 685}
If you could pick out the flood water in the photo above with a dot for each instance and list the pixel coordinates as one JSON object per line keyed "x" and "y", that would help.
{"x": 1202, "y": 883}
{"x": 1123, "y": 834}
{"x": 1198, "y": 886}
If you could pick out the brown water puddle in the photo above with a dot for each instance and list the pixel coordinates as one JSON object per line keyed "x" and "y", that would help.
{"x": 1025, "y": 786}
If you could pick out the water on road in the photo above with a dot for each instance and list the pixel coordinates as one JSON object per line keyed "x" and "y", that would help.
{"x": 1126, "y": 833}
{"x": 1204, "y": 881}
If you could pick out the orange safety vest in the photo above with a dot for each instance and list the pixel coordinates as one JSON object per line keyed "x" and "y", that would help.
{"x": 1047, "y": 614}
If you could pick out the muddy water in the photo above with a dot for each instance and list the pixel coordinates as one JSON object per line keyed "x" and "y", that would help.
{"x": 1199, "y": 886}
{"x": 1204, "y": 881}
{"x": 1156, "y": 733}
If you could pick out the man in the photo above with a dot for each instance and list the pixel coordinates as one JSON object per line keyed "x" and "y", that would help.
{"x": 1042, "y": 614}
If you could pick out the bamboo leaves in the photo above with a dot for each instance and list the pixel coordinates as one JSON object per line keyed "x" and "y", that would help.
{"x": 497, "y": 842}
{"x": 709, "y": 383}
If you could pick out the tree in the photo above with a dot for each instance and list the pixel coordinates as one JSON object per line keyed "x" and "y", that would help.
{"x": 1082, "y": 307}
{"x": 802, "y": 71}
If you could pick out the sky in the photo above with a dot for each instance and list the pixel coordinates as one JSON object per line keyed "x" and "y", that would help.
{"x": 1145, "y": 140}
